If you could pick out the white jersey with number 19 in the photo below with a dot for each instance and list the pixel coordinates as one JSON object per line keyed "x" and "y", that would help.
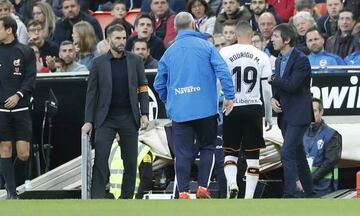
{"x": 248, "y": 66}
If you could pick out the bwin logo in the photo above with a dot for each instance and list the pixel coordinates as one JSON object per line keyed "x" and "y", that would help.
{"x": 186, "y": 90}
{"x": 335, "y": 96}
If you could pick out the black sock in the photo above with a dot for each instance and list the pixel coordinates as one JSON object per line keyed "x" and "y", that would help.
{"x": 20, "y": 171}
{"x": 8, "y": 173}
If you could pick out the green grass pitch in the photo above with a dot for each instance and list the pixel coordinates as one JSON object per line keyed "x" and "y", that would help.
{"x": 263, "y": 207}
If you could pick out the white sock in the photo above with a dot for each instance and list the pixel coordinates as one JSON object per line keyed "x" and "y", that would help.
{"x": 251, "y": 178}
{"x": 230, "y": 169}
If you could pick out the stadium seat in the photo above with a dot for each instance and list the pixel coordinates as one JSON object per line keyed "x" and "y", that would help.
{"x": 131, "y": 15}
{"x": 321, "y": 8}
{"x": 103, "y": 17}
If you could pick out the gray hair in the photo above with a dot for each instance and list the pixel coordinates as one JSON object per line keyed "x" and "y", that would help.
{"x": 305, "y": 15}
{"x": 183, "y": 20}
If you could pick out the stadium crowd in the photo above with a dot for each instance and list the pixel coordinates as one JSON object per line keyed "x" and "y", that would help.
{"x": 329, "y": 35}
{"x": 66, "y": 36}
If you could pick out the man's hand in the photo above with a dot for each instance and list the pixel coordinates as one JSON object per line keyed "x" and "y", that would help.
{"x": 12, "y": 101}
{"x": 50, "y": 62}
{"x": 271, "y": 78}
{"x": 228, "y": 106}
{"x": 275, "y": 104}
{"x": 268, "y": 125}
{"x": 39, "y": 64}
{"x": 87, "y": 128}
{"x": 144, "y": 122}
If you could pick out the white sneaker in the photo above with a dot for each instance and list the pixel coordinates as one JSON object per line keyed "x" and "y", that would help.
{"x": 233, "y": 191}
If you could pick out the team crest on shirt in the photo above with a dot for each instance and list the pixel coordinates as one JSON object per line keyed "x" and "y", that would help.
{"x": 17, "y": 64}
{"x": 320, "y": 144}
{"x": 323, "y": 62}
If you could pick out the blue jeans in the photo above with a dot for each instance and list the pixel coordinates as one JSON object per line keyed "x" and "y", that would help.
{"x": 294, "y": 161}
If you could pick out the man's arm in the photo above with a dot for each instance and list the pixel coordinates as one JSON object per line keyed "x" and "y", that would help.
{"x": 161, "y": 79}
{"x": 332, "y": 156}
{"x": 92, "y": 93}
{"x": 223, "y": 74}
{"x": 28, "y": 83}
{"x": 302, "y": 70}
{"x": 266, "y": 92}
{"x": 142, "y": 87}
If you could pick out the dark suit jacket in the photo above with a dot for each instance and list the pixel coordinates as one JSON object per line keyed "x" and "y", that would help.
{"x": 99, "y": 91}
{"x": 293, "y": 90}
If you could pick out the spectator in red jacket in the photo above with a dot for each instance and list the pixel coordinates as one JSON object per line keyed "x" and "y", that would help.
{"x": 284, "y": 8}
{"x": 164, "y": 20}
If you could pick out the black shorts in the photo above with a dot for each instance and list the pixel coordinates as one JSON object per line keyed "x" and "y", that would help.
{"x": 243, "y": 129}
{"x": 15, "y": 126}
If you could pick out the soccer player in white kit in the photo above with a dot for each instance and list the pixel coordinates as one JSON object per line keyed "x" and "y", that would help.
{"x": 243, "y": 128}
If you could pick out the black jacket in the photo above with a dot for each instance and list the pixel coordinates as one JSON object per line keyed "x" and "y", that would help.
{"x": 241, "y": 14}
{"x": 17, "y": 72}
{"x": 99, "y": 91}
{"x": 24, "y": 9}
{"x": 324, "y": 25}
{"x": 155, "y": 44}
{"x": 63, "y": 28}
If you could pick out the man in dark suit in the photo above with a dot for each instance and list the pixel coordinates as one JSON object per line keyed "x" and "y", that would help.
{"x": 292, "y": 102}
{"x": 116, "y": 87}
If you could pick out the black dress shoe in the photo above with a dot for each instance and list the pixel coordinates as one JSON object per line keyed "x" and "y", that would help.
{"x": 12, "y": 196}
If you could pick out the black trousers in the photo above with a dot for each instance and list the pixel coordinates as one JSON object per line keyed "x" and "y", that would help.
{"x": 123, "y": 124}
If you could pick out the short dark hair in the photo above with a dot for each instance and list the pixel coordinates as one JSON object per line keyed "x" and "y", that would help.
{"x": 230, "y": 23}
{"x": 319, "y": 101}
{"x": 286, "y": 33}
{"x": 208, "y": 10}
{"x": 152, "y": 0}
{"x": 144, "y": 16}
{"x": 116, "y": 21}
{"x": 34, "y": 23}
{"x": 314, "y": 29}
{"x": 113, "y": 28}
{"x": 9, "y": 22}
{"x": 66, "y": 42}
{"x": 116, "y": 3}
{"x": 141, "y": 40}
{"x": 76, "y": 1}
{"x": 347, "y": 10}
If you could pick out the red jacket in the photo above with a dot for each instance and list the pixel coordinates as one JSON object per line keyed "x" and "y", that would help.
{"x": 284, "y": 8}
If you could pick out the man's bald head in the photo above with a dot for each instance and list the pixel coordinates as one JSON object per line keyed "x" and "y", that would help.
{"x": 266, "y": 23}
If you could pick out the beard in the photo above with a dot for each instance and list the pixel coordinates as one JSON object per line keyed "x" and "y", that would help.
{"x": 118, "y": 49}
{"x": 68, "y": 61}
{"x": 316, "y": 49}
{"x": 258, "y": 11}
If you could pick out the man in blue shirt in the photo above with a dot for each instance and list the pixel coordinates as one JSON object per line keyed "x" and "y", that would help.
{"x": 318, "y": 57}
{"x": 353, "y": 58}
{"x": 186, "y": 83}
